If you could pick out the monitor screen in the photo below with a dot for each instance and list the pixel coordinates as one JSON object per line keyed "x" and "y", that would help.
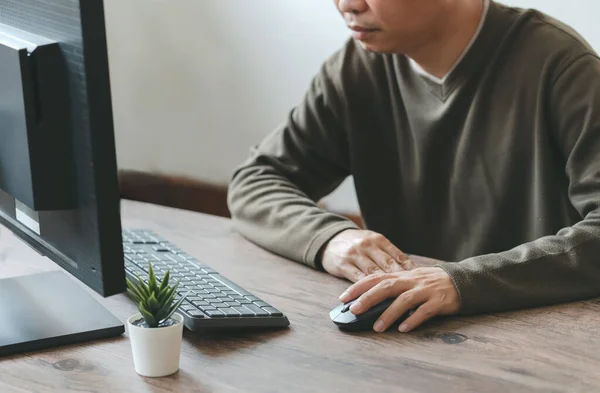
{"x": 84, "y": 235}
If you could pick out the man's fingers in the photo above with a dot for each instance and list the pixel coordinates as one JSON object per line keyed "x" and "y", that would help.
{"x": 425, "y": 312}
{"x": 401, "y": 258}
{"x": 360, "y": 287}
{"x": 386, "y": 262}
{"x": 352, "y": 272}
{"x": 387, "y": 288}
{"x": 403, "y": 304}
{"x": 407, "y": 264}
{"x": 366, "y": 265}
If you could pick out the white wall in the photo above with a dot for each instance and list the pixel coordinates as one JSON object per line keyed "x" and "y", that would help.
{"x": 202, "y": 80}
{"x": 196, "y": 82}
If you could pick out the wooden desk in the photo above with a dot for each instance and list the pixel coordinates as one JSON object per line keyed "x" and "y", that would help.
{"x": 549, "y": 349}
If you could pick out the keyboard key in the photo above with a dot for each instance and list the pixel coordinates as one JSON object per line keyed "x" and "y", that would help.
{"x": 156, "y": 256}
{"x": 232, "y": 285}
{"x": 229, "y": 312}
{"x": 232, "y": 304}
{"x": 193, "y": 268}
{"x": 207, "y": 308}
{"x": 200, "y": 303}
{"x": 273, "y": 311}
{"x": 179, "y": 258}
{"x": 260, "y": 303}
{"x": 252, "y": 298}
{"x": 219, "y": 305}
{"x": 186, "y": 307}
{"x": 215, "y": 314}
{"x": 256, "y": 310}
{"x": 172, "y": 258}
{"x": 244, "y": 312}
{"x": 196, "y": 314}
{"x": 244, "y": 301}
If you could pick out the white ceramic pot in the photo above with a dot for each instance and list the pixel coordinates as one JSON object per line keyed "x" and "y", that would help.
{"x": 156, "y": 351}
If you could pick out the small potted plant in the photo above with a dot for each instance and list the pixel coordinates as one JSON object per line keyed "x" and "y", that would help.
{"x": 156, "y": 331}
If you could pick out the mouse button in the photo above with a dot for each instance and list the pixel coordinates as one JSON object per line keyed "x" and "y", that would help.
{"x": 336, "y": 311}
{"x": 346, "y": 317}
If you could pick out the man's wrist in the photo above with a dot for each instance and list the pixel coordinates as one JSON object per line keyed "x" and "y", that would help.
{"x": 319, "y": 257}
{"x": 318, "y": 261}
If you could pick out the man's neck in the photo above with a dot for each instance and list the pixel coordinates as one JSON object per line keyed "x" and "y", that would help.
{"x": 440, "y": 54}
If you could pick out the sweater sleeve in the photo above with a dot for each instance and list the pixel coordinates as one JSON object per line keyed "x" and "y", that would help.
{"x": 566, "y": 266}
{"x": 272, "y": 196}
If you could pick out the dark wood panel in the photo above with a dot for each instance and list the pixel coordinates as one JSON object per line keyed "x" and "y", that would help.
{"x": 551, "y": 349}
{"x": 174, "y": 191}
{"x": 185, "y": 193}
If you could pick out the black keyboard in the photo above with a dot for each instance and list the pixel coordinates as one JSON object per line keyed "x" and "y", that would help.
{"x": 213, "y": 301}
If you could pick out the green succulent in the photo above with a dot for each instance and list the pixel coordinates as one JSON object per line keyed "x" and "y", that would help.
{"x": 155, "y": 302}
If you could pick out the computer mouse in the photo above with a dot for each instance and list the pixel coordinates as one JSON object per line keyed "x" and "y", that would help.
{"x": 346, "y": 320}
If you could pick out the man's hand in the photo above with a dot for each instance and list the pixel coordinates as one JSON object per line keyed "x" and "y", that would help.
{"x": 429, "y": 290}
{"x": 355, "y": 254}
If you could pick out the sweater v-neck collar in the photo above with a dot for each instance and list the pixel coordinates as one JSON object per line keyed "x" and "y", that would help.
{"x": 471, "y": 58}
{"x": 440, "y": 81}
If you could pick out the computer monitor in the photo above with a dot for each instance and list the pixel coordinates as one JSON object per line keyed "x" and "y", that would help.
{"x": 58, "y": 173}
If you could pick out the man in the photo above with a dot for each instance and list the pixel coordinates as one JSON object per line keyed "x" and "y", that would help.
{"x": 473, "y": 133}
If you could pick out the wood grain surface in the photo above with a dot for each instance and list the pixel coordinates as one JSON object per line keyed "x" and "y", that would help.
{"x": 553, "y": 349}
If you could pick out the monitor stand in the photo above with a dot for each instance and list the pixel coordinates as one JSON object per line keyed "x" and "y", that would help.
{"x": 48, "y": 310}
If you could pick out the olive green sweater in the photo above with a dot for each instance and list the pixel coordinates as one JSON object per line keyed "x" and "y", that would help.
{"x": 496, "y": 170}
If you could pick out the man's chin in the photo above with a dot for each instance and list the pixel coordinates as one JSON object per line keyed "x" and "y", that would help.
{"x": 375, "y": 48}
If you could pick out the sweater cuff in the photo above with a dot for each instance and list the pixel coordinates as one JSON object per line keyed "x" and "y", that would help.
{"x": 465, "y": 285}
{"x": 321, "y": 238}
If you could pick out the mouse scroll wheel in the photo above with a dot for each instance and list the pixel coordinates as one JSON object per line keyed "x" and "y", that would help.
{"x": 347, "y": 306}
